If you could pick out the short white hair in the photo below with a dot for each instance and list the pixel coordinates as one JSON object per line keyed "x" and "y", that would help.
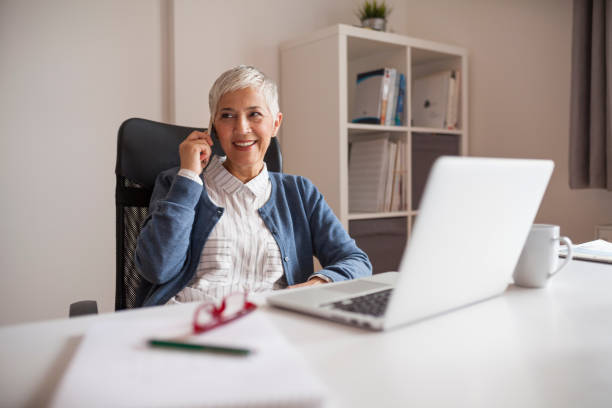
{"x": 241, "y": 77}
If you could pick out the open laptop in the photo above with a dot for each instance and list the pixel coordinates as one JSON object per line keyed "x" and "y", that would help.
{"x": 474, "y": 219}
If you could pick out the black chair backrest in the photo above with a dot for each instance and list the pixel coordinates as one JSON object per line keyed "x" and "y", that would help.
{"x": 144, "y": 149}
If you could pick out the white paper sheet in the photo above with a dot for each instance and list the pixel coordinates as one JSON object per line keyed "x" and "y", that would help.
{"x": 114, "y": 367}
{"x": 598, "y": 250}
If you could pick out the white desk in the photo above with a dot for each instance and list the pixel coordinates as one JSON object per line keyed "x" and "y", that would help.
{"x": 527, "y": 348}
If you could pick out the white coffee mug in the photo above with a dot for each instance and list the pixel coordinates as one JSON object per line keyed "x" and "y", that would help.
{"x": 540, "y": 256}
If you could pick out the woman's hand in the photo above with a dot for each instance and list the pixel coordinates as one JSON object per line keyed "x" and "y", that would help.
{"x": 314, "y": 281}
{"x": 195, "y": 151}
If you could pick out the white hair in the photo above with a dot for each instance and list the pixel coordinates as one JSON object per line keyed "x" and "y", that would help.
{"x": 241, "y": 77}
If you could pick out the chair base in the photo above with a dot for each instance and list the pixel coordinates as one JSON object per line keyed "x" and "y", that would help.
{"x": 83, "y": 307}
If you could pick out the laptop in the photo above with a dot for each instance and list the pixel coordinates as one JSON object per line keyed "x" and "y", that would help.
{"x": 474, "y": 219}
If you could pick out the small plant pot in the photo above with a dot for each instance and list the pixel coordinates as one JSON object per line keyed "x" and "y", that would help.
{"x": 378, "y": 24}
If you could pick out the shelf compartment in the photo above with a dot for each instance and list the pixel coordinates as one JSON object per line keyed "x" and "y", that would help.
{"x": 426, "y": 148}
{"x": 382, "y": 239}
{"x": 364, "y": 55}
{"x": 422, "y": 56}
{"x": 358, "y": 48}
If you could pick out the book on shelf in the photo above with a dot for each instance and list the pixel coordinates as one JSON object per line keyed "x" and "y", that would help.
{"x": 376, "y": 97}
{"x": 452, "y": 110}
{"x": 401, "y": 97}
{"x": 376, "y": 176}
{"x": 367, "y": 107}
{"x": 435, "y": 100}
{"x": 397, "y": 202}
{"x": 385, "y": 94}
{"x": 367, "y": 174}
{"x": 390, "y": 173}
{"x": 390, "y": 100}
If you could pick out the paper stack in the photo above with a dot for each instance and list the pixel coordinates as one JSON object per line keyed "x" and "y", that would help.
{"x": 597, "y": 251}
{"x": 377, "y": 171}
{"x": 114, "y": 367}
{"x": 435, "y": 100}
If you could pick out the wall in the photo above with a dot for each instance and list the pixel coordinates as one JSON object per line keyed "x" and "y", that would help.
{"x": 520, "y": 66}
{"x": 213, "y": 36}
{"x": 520, "y": 63}
{"x": 70, "y": 73}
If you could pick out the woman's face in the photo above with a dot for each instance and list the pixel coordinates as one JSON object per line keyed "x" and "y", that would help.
{"x": 245, "y": 126}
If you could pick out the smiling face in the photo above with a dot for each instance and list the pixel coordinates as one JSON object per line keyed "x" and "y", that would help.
{"x": 245, "y": 126}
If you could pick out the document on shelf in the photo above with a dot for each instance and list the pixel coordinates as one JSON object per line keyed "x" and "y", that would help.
{"x": 115, "y": 367}
{"x": 368, "y": 168}
{"x": 430, "y": 99}
{"x": 598, "y": 251}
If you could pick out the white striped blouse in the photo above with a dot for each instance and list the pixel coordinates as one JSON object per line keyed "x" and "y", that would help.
{"x": 240, "y": 254}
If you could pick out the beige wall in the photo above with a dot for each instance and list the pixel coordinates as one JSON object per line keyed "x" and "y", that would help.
{"x": 520, "y": 63}
{"x": 212, "y": 36}
{"x": 519, "y": 73}
{"x": 71, "y": 71}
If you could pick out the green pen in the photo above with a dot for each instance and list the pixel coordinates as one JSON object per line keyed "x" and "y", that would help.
{"x": 209, "y": 348}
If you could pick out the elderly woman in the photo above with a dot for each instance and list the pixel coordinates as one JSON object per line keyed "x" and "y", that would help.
{"x": 219, "y": 225}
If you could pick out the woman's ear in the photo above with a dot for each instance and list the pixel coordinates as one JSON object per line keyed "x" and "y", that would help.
{"x": 277, "y": 123}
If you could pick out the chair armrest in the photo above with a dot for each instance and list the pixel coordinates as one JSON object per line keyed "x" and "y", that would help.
{"x": 83, "y": 307}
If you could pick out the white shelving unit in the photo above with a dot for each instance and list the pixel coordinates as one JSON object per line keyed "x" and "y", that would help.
{"x": 317, "y": 86}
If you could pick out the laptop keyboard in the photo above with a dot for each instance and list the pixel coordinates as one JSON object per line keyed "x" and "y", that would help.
{"x": 373, "y": 304}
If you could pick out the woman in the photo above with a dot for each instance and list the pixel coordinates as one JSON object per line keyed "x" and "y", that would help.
{"x": 219, "y": 225}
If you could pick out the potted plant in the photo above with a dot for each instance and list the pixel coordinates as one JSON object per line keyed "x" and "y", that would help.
{"x": 373, "y": 14}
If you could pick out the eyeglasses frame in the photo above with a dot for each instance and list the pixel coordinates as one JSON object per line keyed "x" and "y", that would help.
{"x": 217, "y": 312}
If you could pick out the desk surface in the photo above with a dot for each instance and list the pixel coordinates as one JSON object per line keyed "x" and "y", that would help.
{"x": 527, "y": 348}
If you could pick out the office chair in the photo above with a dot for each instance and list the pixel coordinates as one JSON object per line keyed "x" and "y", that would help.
{"x": 144, "y": 149}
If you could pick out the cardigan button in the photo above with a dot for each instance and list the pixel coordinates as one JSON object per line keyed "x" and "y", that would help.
{"x": 286, "y": 259}
{"x": 220, "y": 212}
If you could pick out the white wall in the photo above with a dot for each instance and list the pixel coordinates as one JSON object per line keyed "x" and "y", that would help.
{"x": 519, "y": 73}
{"x": 213, "y": 36}
{"x": 70, "y": 73}
{"x": 520, "y": 64}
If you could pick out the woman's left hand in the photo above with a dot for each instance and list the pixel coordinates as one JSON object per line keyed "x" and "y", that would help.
{"x": 314, "y": 281}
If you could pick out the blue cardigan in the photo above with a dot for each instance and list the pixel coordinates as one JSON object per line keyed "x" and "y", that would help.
{"x": 181, "y": 217}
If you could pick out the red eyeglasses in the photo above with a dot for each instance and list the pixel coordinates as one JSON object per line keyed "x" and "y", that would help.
{"x": 208, "y": 316}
